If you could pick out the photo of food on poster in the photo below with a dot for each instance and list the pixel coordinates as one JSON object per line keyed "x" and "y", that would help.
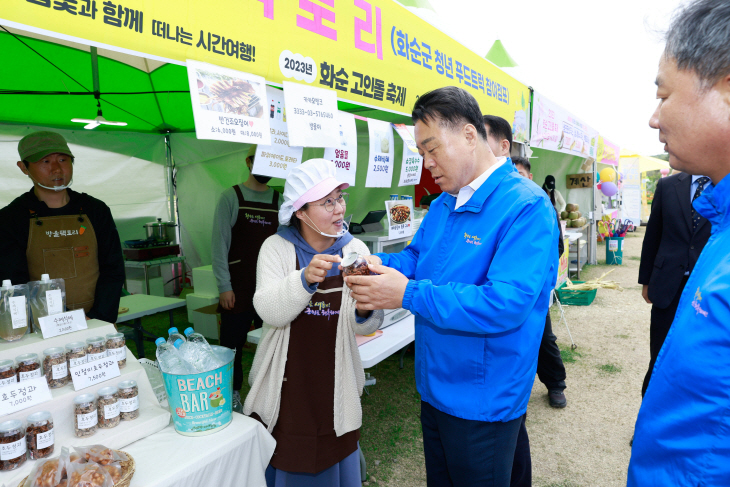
{"x": 277, "y": 159}
{"x": 380, "y": 158}
{"x": 312, "y": 116}
{"x": 345, "y": 155}
{"x": 227, "y": 104}
{"x": 400, "y": 218}
{"x": 412, "y": 164}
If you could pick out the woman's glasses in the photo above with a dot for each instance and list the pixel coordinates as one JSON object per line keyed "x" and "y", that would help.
{"x": 329, "y": 204}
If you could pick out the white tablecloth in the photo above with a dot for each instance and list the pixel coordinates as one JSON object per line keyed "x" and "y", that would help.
{"x": 236, "y": 456}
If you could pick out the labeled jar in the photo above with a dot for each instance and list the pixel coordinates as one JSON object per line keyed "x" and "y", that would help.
{"x": 354, "y": 264}
{"x": 95, "y": 348}
{"x": 39, "y": 435}
{"x": 55, "y": 367}
{"x": 128, "y": 400}
{"x": 12, "y": 444}
{"x": 27, "y": 366}
{"x": 116, "y": 348}
{"x": 85, "y": 415}
{"x": 7, "y": 373}
{"x": 108, "y": 407}
{"x": 75, "y": 354}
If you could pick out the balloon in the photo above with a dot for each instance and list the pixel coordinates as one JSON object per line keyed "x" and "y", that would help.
{"x": 608, "y": 188}
{"x": 599, "y": 185}
{"x": 607, "y": 174}
{"x": 598, "y": 177}
{"x": 664, "y": 171}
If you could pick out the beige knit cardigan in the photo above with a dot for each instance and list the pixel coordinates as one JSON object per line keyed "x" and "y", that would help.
{"x": 279, "y": 299}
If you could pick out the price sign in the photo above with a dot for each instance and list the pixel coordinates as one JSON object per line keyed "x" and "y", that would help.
{"x": 380, "y": 160}
{"x": 54, "y": 300}
{"x": 345, "y": 156}
{"x": 277, "y": 159}
{"x": 18, "y": 312}
{"x": 400, "y": 218}
{"x": 412, "y": 164}
{"x": 312, "y": 117}
{"x": 408, "y": 140}
{"x": 91, "y": 373}
{"x": 23, "y": 395}
{"x": 62, "y": 323}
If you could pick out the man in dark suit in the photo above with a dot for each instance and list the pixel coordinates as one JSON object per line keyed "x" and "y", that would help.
{"x": 675, "y": 237}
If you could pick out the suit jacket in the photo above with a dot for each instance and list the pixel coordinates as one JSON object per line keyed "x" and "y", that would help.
{"x": 670, "y": 248}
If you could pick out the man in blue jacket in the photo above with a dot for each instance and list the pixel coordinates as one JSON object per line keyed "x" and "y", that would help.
{"x": 683, "y": 429}
{"x": 477, "y": 276}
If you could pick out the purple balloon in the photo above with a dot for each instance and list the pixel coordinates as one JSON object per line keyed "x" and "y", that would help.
{"x": 608, "y": 188}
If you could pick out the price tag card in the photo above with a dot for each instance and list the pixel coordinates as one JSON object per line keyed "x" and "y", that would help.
{"x": 345, "y": 155}
{"x": 22, "y": 395}
{"x": 90, "y": 373}
{"x": 54, "y": 301}
{"x": 400, "y": 218}
{"x": 380, "y": 160}
{"x": 62, "y": 323}
{"x": 228, "y": 104}
{"x": 412, "y": 164}
{"x": 18, "y": 312}
{"x": 406, "y": 134}
{"x": 277, "y": 159}
{"x": 312, "y": 116}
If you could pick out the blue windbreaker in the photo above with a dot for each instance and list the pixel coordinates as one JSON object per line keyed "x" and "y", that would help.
{"x": 480, "y": 286}
{"x": 682, "y": 434}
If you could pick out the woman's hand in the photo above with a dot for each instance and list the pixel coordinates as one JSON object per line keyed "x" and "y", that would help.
{"x": 317, "y": 270}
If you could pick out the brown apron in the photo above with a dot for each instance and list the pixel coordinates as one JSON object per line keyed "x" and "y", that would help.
{"x": 65, "y": 247}
{"x": 305, "y": 430}
{"x": 255, "y": 223}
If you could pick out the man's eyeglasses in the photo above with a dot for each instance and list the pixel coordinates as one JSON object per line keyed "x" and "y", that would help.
{"x": 329, "y": 204}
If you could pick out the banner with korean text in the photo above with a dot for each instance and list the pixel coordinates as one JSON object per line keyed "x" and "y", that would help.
{"x": 556, "y": 129}
{"x": 374, "y": 53}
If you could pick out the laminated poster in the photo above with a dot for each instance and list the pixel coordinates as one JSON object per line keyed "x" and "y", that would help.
{"x": 345, "y": 155}
{"x": 380, "y": 159}
{"x": 227, "y": 104}
{"x": 312, "y": 117}
{"x": 277, "y": 159}
{"x": 412, "y": 164}
{"x": 400, "y": 218}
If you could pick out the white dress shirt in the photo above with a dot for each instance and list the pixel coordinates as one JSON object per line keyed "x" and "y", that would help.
{"x": 467, "y": 191}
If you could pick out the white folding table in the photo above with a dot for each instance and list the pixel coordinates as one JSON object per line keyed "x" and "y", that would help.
{"x": 144, "y": 305}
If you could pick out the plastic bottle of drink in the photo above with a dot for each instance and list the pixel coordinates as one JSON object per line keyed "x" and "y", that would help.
{"x": 169, "y": 358}
{"x": 174, "y": 335}
{"x": 198, "y": 352}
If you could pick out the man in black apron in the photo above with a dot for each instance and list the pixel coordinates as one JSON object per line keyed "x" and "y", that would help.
{"x": 246, "y": 215}
{"x": 56, "y": 231}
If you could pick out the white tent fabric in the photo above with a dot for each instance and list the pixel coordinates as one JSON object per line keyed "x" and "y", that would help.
{"x": 125, "y": 170}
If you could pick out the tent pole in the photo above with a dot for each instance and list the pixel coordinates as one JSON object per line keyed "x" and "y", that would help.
{"x": 169, "y": 168}
{"x": 95, "y": 70}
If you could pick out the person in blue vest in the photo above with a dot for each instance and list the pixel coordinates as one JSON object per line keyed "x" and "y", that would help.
{"x": 682, "y": 434}
{"x": 479, "y": 303}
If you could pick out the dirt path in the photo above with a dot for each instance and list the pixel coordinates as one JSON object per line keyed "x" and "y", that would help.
{"x": 587, "y": 443}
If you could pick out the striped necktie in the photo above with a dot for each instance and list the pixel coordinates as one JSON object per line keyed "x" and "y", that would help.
{"x": 695, "y": 216}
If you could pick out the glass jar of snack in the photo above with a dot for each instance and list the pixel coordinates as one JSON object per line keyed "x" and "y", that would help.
{"x": 55, "y": 367}
{"x": 85, "y": 415}
{"x": 75, "y": 354}
{"x": 108, "y": 407}
{"x": 12, "y": 444}
{"x": 27, "y": 366}
{"x": 39, "y": 435}
{"x": 128, "y": 400}
{"x": 116, "y": 348}
{"x": 354, "y": 264}
{"x": 7, "y": 373}
{"x": 95, "y": 348}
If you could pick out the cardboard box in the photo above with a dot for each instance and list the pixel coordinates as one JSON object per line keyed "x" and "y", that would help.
{"x": 195, "y": 301}
{"x": 204, "y": 281}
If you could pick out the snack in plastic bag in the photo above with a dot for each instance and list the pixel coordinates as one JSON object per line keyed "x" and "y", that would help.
{"x": 46, "y": 473}
{"x": 115, "y": 471}
{"x": 88, "y": 475}
{"x": 100, "y": 454}
{"x": 76, "y": 457}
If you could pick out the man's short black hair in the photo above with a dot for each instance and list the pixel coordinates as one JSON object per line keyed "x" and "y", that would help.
{"x": 450, "y": 106}
{"x": 500, "y": 128}
{"x": 522, "y": 161}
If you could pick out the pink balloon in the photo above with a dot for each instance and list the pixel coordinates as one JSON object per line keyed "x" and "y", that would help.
{"x": 608, "y": 188}
{"x": 664, "y": 171}
{"x": 598, "y": 186}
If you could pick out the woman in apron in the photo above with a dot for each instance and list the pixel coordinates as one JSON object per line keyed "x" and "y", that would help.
{"x": 307, "y": 378}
